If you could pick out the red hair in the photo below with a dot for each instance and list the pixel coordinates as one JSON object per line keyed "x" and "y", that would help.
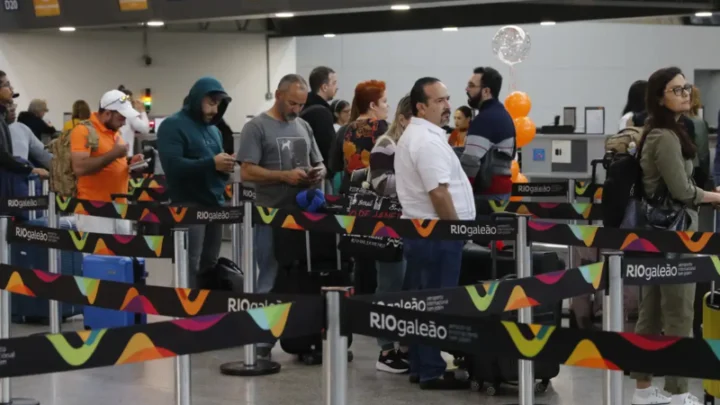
{"x": 367, "y": 92}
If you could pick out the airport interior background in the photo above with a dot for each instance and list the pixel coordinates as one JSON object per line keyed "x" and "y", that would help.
{"x": 584, "y": 54}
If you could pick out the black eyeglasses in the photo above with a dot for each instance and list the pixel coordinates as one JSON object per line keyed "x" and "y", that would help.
{"x": 678, "y": 90}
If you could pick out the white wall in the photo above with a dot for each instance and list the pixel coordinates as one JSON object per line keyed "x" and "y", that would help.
{"x": 83, "y": 65}
{"x": 574, "y": 64}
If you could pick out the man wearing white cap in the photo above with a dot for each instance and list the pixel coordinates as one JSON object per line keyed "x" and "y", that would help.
{"x": 99, "y": 160}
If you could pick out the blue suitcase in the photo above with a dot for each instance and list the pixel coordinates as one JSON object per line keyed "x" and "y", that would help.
{"x": 36, "y": 310}
{"x": 113, "y": 268}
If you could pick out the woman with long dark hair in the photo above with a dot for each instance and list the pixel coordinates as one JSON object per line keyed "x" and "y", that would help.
{"x": 635, "y": 103}
{"x": 341, "y": 113}
{"x": 666, "y": 158}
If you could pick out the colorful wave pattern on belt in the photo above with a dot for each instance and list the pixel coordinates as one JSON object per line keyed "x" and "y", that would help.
{"x": 94, "y": 243}
{"x": 637, "y": 240}
{"x": 42, "y": 354}
{"x": 494, "y": 339}
{"x": 147, "y": 299}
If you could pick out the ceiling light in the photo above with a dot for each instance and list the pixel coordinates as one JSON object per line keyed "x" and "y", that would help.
{"x": 450, "y": 29}
{"x": 67, "y": 29}
{"x": 547, "y": 23}
{"x": 703, "y": 14}
{"x": 400, "y": 7}
{"x": 284, "y": 15}
{"x": 155, "y": 23}
{"x": 329, "y": 35}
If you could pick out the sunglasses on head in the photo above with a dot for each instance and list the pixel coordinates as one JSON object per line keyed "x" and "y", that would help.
{"x": 121, "y": 100}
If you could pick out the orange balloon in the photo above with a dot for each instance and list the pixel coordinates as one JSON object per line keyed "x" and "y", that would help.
{"x": 518, "y": 104}
{"x": 514, "y": 169}
{"x": 520, "y": 178}
{"x": 524, "y": 131}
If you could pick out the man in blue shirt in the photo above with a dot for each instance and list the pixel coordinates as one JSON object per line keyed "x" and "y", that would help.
{"x": 491, "y": 136}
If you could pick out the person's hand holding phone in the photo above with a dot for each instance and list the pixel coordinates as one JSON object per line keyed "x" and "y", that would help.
{"x": 224, "y": 163}
{"x": 296, "y": 176}
{"x": 316, "y": 174}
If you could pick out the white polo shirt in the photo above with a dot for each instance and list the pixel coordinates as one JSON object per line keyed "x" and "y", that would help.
{"x": 423, "y": 161}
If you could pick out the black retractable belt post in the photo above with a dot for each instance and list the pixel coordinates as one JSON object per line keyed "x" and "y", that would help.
{"x": 251, "y": 365}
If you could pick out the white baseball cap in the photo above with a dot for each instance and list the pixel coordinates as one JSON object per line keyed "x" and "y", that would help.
{"x": 116, "y": 100}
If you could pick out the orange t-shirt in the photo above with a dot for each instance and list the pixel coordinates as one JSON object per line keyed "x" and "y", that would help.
{"x": 457, "y": 139}
{"x": 113, "y": 178}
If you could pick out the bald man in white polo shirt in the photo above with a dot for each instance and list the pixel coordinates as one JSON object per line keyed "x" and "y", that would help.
{"x": 431, "y": 184}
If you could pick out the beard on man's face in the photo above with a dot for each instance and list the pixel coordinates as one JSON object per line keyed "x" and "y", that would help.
{"x": 474, "y": 102}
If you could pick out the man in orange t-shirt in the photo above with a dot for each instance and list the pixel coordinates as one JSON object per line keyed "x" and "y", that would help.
{"x": 102, "y": 169}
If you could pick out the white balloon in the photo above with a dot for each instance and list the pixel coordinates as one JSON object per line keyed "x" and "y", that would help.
{"x": 511, "y": 44}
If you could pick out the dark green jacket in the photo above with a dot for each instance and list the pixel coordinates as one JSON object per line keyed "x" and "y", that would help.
{"x": 187, "y": 145}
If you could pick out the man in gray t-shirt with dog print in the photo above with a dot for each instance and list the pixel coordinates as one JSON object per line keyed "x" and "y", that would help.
{"x": 279, "y": 158}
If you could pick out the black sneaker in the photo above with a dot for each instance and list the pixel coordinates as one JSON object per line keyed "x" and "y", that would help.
{"x": 391, "y": 363}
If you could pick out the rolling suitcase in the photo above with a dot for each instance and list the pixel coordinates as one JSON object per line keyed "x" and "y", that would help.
{"x": 36, "y": 310}
{"x": 478, "y": 266}
{"x": 305, "y": 265}
{"x": 113, "y": 268}
{"x": 711, "y": 330}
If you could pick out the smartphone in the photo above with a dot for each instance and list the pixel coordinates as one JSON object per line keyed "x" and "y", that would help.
{"x": 139, "y": 165}
{"x": 314, "y": 170}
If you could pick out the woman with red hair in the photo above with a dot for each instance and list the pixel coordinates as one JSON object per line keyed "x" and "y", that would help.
{"x": 369, "y": 112}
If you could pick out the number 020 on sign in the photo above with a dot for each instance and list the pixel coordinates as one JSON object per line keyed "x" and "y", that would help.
{"x": 10, "y": 5}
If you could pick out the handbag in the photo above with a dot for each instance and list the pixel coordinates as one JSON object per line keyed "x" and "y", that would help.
{"x": 660, "y": 212}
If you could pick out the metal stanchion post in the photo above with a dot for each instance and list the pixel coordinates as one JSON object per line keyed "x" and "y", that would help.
{"x": 523, "y": 263}
{"x": 251, "y": 365}
{"x": 53, "y": 222}
{"x": 32, "y": 215}
{"x": 571, "y": 199}
{"x": 335, "y": 350}
{"x": 46, "y": 190}
{"x": 180, "y": 275}
{"x": 5, "y": 314}
{"x": 236, "y": 234}
{"x": 613, "y": 321}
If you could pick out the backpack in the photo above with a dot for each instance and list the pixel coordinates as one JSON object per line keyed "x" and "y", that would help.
{"x": 62, "y": 178}
{"x": 623, "y": 175}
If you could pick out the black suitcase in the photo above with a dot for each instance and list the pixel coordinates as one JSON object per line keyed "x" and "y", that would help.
{"x": 477, "y": 266}
{"x": 298, "y": 275}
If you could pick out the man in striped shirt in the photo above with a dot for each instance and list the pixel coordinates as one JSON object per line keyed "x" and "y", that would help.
{"x": 490, "y": 146}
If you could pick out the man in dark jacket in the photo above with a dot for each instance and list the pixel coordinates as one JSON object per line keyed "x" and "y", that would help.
{"x": 191, "y": 152}
{"x": 7, "y": 160}
{"x": 317, "y": 112}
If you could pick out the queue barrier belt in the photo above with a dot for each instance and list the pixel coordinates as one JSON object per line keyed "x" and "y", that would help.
{"x": 488, "y": 337}
{"x": 628, "y": 240}
{"x": 51, "y": 353}
{"x": 158, "y": 214}
{"x": 137, "y": 298}
{"x": 148, "y": 246}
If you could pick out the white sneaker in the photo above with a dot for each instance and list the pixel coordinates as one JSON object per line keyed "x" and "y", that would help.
{"x": 651, "y": 396}
{"x": 685, "y": 399}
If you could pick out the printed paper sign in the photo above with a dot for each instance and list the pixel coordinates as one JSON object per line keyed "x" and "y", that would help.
{"x": 46, "y": 8}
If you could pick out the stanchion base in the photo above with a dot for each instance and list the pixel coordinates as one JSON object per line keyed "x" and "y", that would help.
{"x": 22, "y": 401}
{"x": 239, "y": 368}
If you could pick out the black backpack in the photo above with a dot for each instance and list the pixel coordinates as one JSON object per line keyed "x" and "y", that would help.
{"x": 623, "y": 175}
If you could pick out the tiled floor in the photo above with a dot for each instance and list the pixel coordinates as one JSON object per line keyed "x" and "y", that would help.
{"x": 297, "y": 384}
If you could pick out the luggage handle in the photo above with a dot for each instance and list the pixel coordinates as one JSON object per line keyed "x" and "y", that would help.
{"x": 712, "y": 283}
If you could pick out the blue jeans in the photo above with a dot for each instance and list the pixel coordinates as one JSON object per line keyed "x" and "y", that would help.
{"x": 431, "y": 264}
{"x": 267, "y": 265}
{"x": 390, "y": 278}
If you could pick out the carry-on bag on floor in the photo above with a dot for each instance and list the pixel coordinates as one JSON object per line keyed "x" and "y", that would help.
{"x": 36, "y": 310}
{"x": 711, "y": 330}
{"x": 496, "y": 370}
{"x": 113, "y": 268}
{"x": 305, "y": 265}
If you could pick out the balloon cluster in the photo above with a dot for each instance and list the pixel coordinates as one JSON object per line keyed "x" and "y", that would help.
{"x": 518, "y": 104}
